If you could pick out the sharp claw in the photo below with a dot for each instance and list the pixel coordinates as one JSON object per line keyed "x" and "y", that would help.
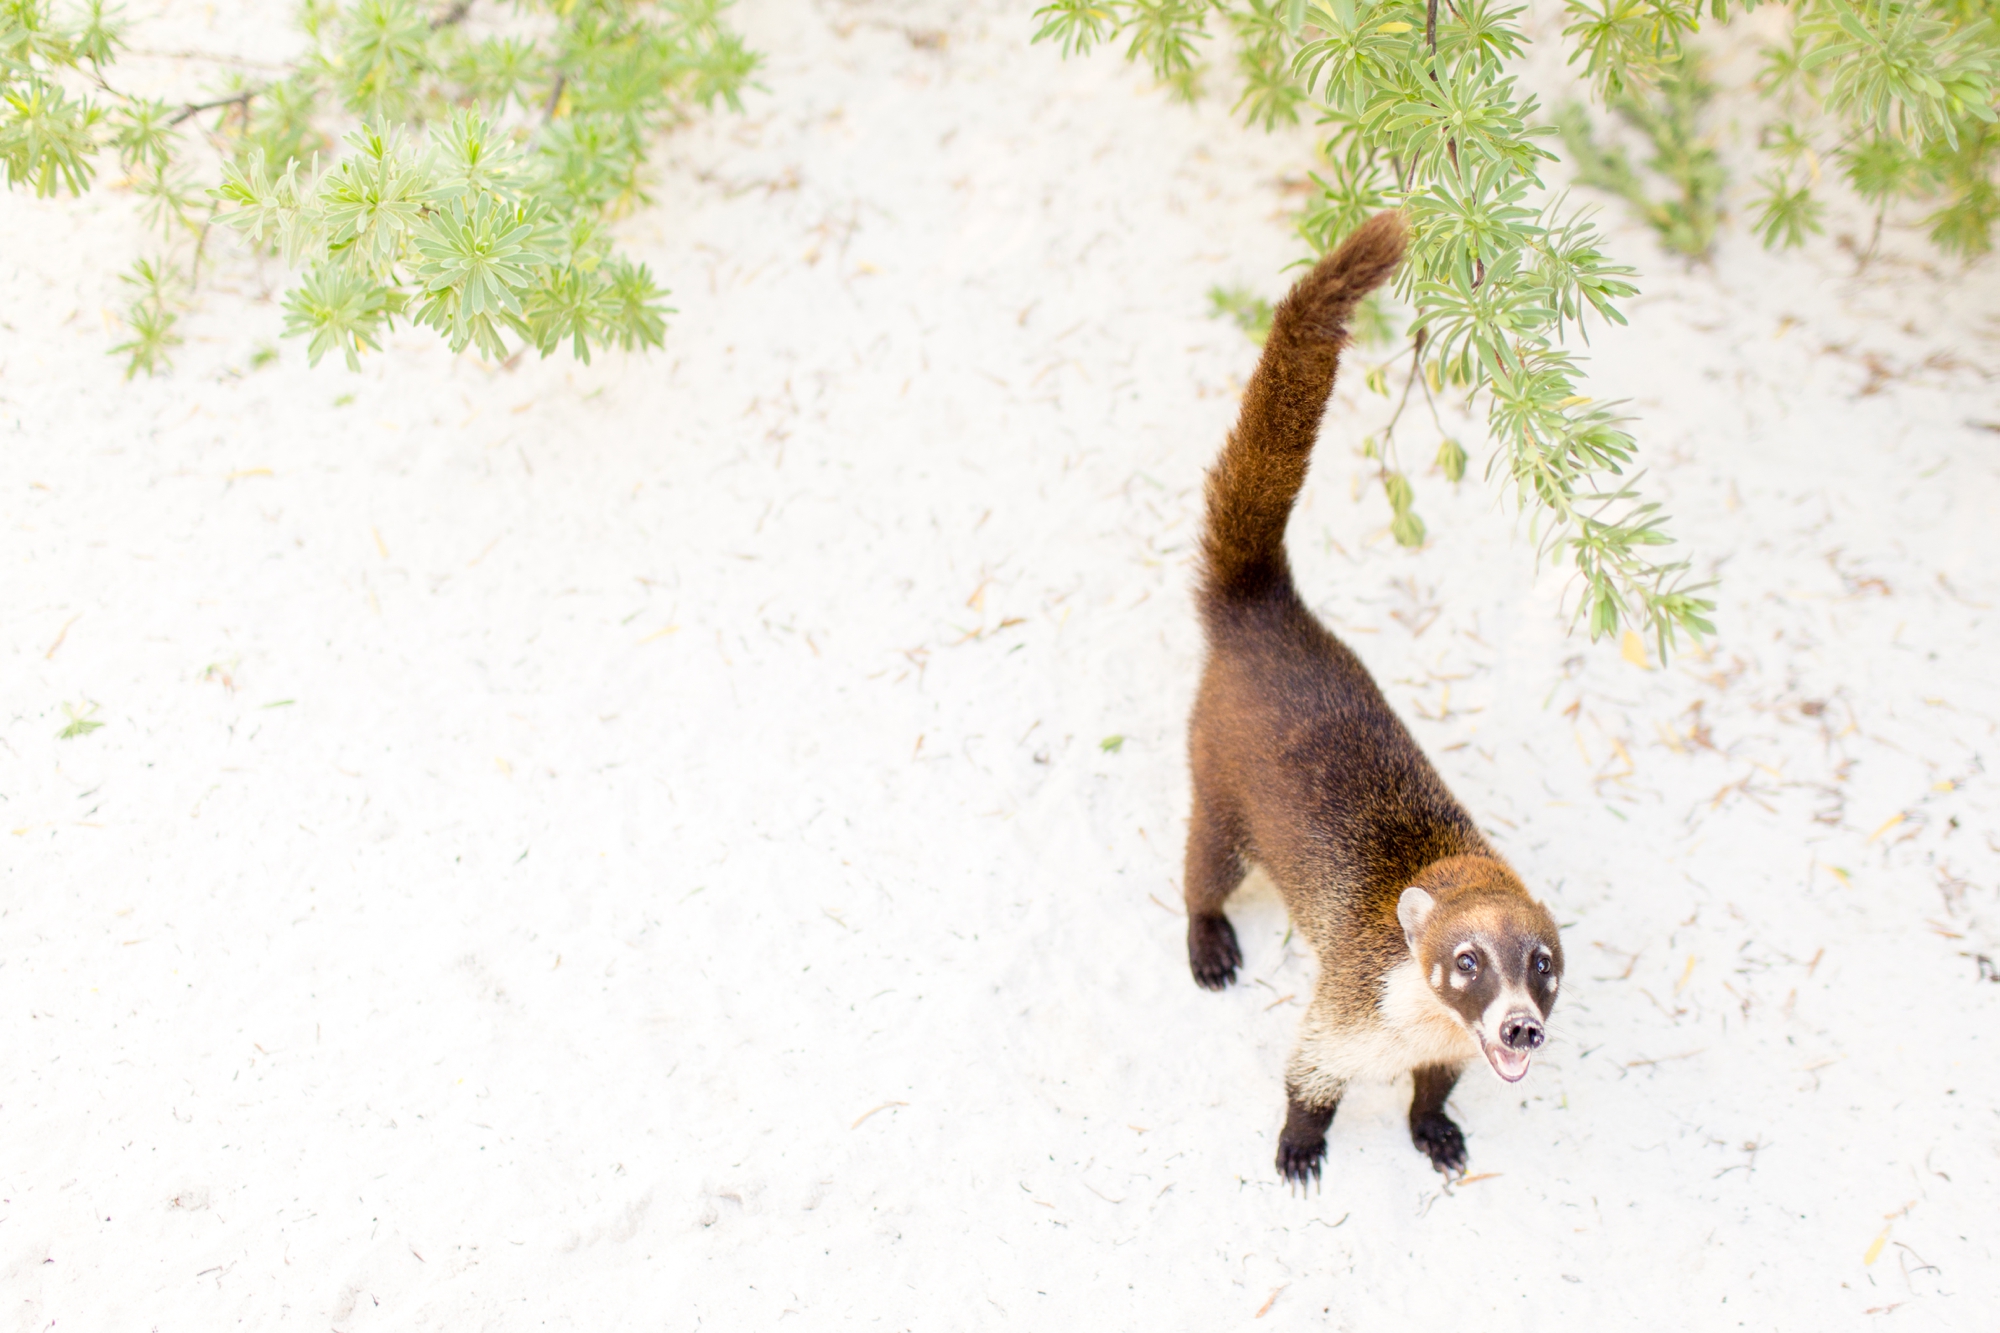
{"x": 1213, "y": 953}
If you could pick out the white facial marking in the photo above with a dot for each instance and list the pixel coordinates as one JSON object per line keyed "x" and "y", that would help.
{"x": 1513, "y": 1000}
{"x": 1506, "y": 1002}
{"x": 1437, "y": 974}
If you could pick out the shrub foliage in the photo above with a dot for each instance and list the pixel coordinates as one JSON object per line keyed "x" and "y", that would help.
{"x": 441, "y": 165}
{"x": 1420, "y": 109}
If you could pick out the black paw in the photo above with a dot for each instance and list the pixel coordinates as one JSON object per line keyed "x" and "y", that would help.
{"x": 1212, "y": 951}
{"x": 1299, "y": 1158}
{"x": 1439, "y": 1139}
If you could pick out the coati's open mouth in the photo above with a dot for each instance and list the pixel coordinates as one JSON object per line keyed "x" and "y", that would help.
{"x": 1507, "y": 1062}
{"x": 1521, "y": 1035}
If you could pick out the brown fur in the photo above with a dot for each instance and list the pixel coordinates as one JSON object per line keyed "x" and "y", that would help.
{"x": 1301, "y": 767}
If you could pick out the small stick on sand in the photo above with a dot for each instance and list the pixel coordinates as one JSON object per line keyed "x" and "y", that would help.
{"x": 61, "y": 634}
{"x": 865, "y": 1114}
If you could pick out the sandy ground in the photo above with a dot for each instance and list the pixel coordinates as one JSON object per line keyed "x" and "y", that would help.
{"x": 635, "y": 846}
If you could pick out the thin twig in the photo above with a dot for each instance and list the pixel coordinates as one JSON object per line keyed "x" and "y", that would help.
{"x": 200, "y": 248}
{"x": 245, "y": 61}
{"x": 555, "y": 96}
{"x": 1874, "y": 239}
{"x": 1431, "y": 402}
{"x": 1384, "y": 456}
{"x": 1416, "y": 367}
{"x": 241, "y": 99}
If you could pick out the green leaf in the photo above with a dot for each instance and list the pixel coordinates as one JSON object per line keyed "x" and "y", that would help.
{"x": 498, "y": 70}
{"x": 1882, "y": 169}
{"x": 476, "y": 263}
{"x": 29, "y": 38}
{"x": 46, "y": 137}
{"x": 384, "y": 51}
{"x": 101, "y": 36}
{"x": 472, "y": 157}
{"x": 1451, "y": 460}
{"x": 1243, "y": 308}
{"x": 638, "y": 312}
{"x": 340, "y": 310}
{"x": 1397, "y": 487}
{"x": 372, "y": 201}
{"x": 1623, "y": 44}
{"x": 80, "y": 723}
{"x": 152, "y": 326}
{"x": 1785, "y": 214}
{"x": 143, "y": 133}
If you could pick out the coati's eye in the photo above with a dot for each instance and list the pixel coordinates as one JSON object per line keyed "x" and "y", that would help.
{"x": 1542, "y": 964}
{"x": 1468, "y": 963}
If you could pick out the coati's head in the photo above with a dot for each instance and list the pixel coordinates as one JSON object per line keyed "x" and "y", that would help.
{"x": 1490, "y": 953}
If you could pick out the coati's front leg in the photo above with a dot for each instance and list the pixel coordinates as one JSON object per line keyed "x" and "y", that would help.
{"x": 1214, "y": 869}
{"x": 1434, "y": 1133}
{"x": 1302, "y": 1142}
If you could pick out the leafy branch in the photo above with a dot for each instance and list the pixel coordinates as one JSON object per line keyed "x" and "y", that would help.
{"x": 444, "y": 166}
{"x": 1419, "y": 111}
{"x": 1669, "y": 116}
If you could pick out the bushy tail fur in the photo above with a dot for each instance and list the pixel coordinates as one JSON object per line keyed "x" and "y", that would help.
{"x": 1253, "y": 484}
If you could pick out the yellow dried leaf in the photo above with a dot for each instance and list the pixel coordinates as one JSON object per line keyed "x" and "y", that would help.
{"x": 1887, "y": 824}
{"x": 1633, "y": 649}
{"x": 1875, "y": 1249}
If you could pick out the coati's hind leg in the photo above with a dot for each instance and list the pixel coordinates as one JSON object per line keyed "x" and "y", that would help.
{"x": 1214, "y": 869}
{"x": 1302, "y": 1142}
{"x": 1430, "y": 1128}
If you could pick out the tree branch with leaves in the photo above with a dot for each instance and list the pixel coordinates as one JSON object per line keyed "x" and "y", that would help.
{"x": 455, "y": 167}
{"x": 1419, "y": 111}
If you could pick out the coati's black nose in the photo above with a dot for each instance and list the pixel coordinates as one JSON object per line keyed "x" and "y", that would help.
{"x": 1522, "y": 1032}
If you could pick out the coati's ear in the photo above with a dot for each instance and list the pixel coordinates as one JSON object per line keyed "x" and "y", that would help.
{"x": 1412, "y": 910}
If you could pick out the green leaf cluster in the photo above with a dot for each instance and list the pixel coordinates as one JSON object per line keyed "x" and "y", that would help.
{"x": 1668, "y": 115}
{"x": 1897, "y": 97}
{"x": 454, "y": 167}
{"x": 1419, "y": 111}
{"x": 1899, "y": 100}
{"x": 1243, "y": 308}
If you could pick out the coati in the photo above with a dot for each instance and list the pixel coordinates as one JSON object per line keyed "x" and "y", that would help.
{"x": 1431, "y": 951}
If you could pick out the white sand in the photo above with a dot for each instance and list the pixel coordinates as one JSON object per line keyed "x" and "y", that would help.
{"x": 629, "y": 846}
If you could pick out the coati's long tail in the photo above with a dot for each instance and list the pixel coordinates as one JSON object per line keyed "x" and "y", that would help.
{"x": 1253, "y": 484}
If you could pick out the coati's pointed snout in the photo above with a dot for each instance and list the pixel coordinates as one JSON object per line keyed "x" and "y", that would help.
{"x": 1520, "y": 1035}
